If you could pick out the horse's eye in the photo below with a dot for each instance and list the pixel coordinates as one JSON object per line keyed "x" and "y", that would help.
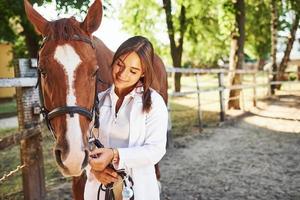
{"x": 43, "y": 72}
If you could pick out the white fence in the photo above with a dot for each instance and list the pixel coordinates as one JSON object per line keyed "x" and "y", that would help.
{"x": 223, "y": 88}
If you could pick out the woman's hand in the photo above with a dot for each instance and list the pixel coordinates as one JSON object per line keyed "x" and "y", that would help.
{"x": 100, "y": 158}
{"x": 106, "y": 176}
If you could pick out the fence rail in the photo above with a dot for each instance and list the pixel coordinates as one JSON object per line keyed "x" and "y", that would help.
{"x": 222, "y": 87}
{"x": 16, "y": 138}
{"x": 18, "y": 82}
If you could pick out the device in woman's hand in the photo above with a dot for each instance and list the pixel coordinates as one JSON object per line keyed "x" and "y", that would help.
{"x": 94, "y": 142}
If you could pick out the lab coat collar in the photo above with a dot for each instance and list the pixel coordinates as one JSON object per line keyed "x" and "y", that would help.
{"x": 138, "y": 90}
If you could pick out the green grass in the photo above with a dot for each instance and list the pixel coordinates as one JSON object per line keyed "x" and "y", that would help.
{"x": 185, "y": 116}
{"x": 8, "y": 107}
{"x": 10, "y": 158}
{"x": 7, "y": 131}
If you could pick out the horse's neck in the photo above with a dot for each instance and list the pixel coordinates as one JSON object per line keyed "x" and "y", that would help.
{"x": 104, "y": 59}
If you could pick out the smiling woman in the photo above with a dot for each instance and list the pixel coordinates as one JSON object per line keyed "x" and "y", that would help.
{"x": 133, "y": 62}
{"x": 133, "y": 125}
{"x": 126, "y": 72}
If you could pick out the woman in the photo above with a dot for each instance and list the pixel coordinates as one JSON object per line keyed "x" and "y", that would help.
{"x": 133, "y": 123}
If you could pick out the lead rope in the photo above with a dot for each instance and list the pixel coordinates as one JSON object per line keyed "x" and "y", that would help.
{"x": 109, "y": 193}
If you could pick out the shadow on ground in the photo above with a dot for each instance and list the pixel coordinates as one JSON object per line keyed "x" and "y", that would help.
{"x": 254, "y": 157}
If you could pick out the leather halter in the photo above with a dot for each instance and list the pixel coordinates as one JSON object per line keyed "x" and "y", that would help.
{"x": 92, "y": 114}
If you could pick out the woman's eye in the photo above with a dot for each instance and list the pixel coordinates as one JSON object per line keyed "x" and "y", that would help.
{"x": 133, "y": 72}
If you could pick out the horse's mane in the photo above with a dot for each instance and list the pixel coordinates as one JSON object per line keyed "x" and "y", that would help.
{"x": 64, "y": 29}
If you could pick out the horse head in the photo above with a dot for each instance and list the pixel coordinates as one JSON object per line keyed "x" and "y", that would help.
{"x": 68, "y": 72}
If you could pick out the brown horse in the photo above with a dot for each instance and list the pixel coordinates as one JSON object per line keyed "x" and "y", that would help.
{"x": 69, "y": 62}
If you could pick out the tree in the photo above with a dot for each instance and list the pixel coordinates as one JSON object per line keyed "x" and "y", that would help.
{"x": 176, "y": 25}
{"x": 237, "y": 52}
{"x": 146, "y": 17}
{"x": 16, "y": 29}
{"x": 176, "y": 47}
{"x": 191, "y": 26}
{"x": 14, "y": 18}
{"x": 258, "y": 33}
{"x": 274, "y": 30}
{"x": 295, "y": 9}
{"x": 208, "y": 34}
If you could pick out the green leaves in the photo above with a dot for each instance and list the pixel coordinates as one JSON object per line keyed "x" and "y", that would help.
{"x": 145, "y": 17}
{"x": 15, "y": 28}
{"x": 258, "y": 29}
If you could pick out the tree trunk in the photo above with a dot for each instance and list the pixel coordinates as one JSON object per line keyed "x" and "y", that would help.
{"x": 236, "y": 53}
{"x": 176, "y": 57}
{"x": 274, "y": 29}
{"x": 176, "y": 49}
{"x": 177, "y": 79}
{"x": 260, "y": 64}
{"x": 287, "y": 52}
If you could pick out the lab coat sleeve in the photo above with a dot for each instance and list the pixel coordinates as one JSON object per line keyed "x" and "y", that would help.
{"x": 154, "y": 146}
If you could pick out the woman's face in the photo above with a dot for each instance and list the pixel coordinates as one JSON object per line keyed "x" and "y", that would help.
{"x": 126, "y": 72}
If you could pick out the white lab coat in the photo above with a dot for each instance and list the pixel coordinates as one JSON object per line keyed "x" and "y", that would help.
{"x": 147, "y": 145}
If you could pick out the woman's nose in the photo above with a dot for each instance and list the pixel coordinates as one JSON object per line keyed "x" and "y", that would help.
{"x": 123, "y": 73}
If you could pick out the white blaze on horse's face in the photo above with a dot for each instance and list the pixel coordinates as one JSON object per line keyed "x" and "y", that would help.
{"x": 70, "y": 60}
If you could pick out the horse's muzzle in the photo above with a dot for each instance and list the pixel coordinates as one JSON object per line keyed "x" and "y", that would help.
{"x": 71, "y": 166}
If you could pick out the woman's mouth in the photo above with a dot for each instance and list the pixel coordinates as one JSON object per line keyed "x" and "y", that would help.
{"x": 121, "y": 80}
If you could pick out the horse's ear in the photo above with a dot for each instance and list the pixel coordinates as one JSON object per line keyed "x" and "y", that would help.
{"x": 93, "y": 19}
{"x": 35, "y": 18}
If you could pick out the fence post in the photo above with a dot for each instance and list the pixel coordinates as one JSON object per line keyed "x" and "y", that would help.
{"x": 269, "y": 76}
{"x": 199, "y": 103}
{"x": 242, "y": 93}
{"x": 222, "y": 96}
{"x": 31, "y": 148}
{"x": 254, "y": 89}
{"x": 298, "y": 73}
{"x": 170, "y": 143}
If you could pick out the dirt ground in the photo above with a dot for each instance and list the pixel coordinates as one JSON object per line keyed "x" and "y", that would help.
{"x": 254, "y": 157}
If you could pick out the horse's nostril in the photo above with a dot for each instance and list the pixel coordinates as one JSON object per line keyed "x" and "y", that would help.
{"x": 58, "y": 154}
{"x": 86, "y": 159}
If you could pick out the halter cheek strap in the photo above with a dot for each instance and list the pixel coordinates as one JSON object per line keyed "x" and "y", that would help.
{"x": 71, "y": 110}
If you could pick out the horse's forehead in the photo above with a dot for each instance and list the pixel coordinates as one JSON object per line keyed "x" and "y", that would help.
{"x": 67, "y": 56}
{"x": 70, "y": 60}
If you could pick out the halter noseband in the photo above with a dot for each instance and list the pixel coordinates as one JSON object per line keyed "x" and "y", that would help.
{"x": 71, "y": 110}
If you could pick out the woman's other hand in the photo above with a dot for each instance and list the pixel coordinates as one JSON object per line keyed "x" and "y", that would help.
{"x": 100, "y": 158}
{"x": 106, "y": 176}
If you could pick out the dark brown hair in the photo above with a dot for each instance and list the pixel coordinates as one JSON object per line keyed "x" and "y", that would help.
{"x": 144, "y": 49}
